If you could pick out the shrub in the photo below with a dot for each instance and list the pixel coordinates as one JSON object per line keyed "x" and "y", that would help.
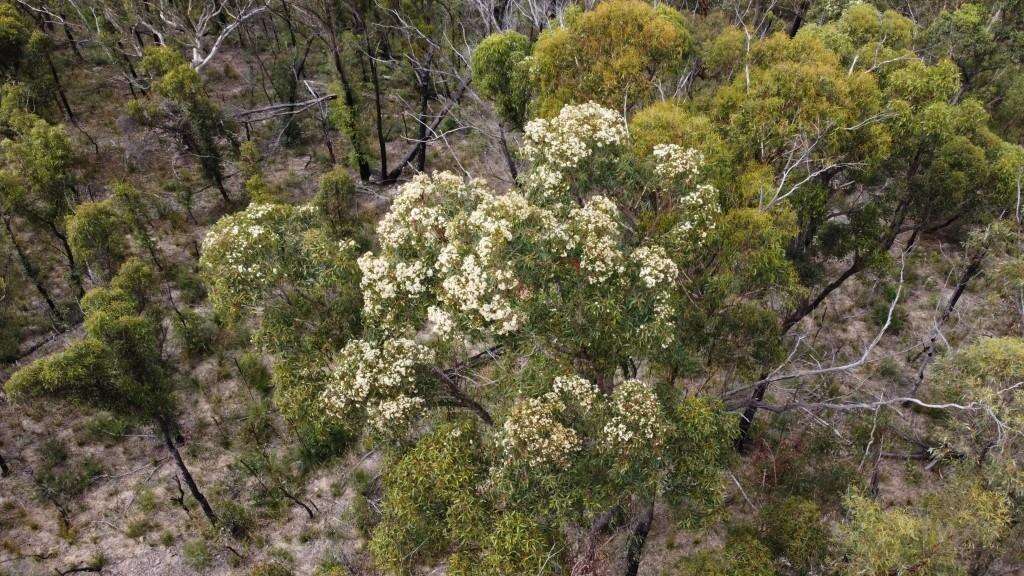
{"x": 271, "y": 569}
{"x": 793, "y": 528}
{"x": 197, "y": 553}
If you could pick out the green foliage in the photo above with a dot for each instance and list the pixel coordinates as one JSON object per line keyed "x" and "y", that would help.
{"x": 698, "y": 446}
{"x": 252, "y": 371}
{"x": 254, "y": 180}
{"x": 426, "y": 493}
{"x": 117, "y": 366}
{"x": 984, "y": 376}
{"x": 514, "y": 544}
{"x": 793, "y": 528}
{"x": 335, "y": 203}
{"x": 940, "y": 537}
{"x": 193, "y": 117}
{"x": 194, "y": 332}
{"x": 608, "y": 55}
{"x": 500, "y": 72}
{"x": 96, "y": 234}
{"x": 197, "y": 553}
{"x": 275, "y": 263}
{"x": 137, "y": 279}
{"x": 668, "y": 122}
{"x": 742, "y": 555}
{"x": 271, "y": 569}
{"x": 14, "y": 34}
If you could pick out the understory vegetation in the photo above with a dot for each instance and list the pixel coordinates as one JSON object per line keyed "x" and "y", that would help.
{"x": 490, "y": 288}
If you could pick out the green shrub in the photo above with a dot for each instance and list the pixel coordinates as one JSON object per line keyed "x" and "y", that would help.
{"x": 742, "y": 555}
{"x": 253, "y": 372}
{"x": 197, "y": 554}
{"x": 195, "y": 333}
{"x": 793, "y": 528}
{"x": 271, "y": 569}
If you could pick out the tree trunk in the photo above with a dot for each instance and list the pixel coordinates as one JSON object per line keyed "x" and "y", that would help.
{"x": 509, "y": 160}
{"x": 61, "y": 96}
{"x": 583, "y": 564}
{"x": 32, "y": 273}
{"x": 637, "y": 541}
{"x": 76, "y": 277}
{"x": 798, "y": 18}
{"x": 970, "y": 272}
{"x": 168, "y": 434}
{"x": 382, "y": 147}
{"x": 350, "y": 101}
{"x": 424, "y": 82}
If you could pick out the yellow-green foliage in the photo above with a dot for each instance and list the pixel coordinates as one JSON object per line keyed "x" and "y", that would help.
{"x": 255, "y": 182}
{"x": 512, "y": 544}
{"x": 742, "y": 555}
{"x": 668, "y": 122}
{"x": 985, "y": 375}
{"x": 96, "y": 233}
{"x": 117, "y": 366}
{"x": 335, "y": 202}
{"x": 427, "y": 493}
{"x": 935, "y": 538}
{"x": 614, "y": 55}
{"x": 793, "y": 528}
{"x": 500, "y": 73}
{"x": 724, "y": 53}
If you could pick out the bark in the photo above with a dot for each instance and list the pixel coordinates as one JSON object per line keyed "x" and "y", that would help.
{"x": 895, "y": 228}
{"x": 509, "y": 160}
{"x": 61, "y": 96}
{"x": 397, "y": 171}
{"x": 71, "y": 39}
{"x": 382, "y": 147}
{"x": 421, "y": 144}
{"x": 634, "y": 552}
{"x": 350, "y": 101}
{"x": 583, "y": 564}
{"x": 798, "y": 18}
{"x": 970, "y": 272}
{"x": 31, "y": 272}
{"x": 168, "y": 434}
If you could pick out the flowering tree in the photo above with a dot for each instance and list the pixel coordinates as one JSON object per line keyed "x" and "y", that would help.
{"x": 576, "y": 280}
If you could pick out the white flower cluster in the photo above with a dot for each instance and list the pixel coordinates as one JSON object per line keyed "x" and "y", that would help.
{"x": 380, "y": 378}
{"x": 394, "y": 414}
{"x": 673, "y": 161}
{"x": 236, "y": 244}
{"x": 533, "y": 434}
{"x": 577, "y": 390}
{"x": 594, "y": 231}
{"x": 702, "y": 209}
{"x": 416, "y": 217}
{"x": 410, "y": 235}
{"x": 655, "y": 267}
{"x": 476, "y": 280}
{"x": 558, "y": 145}
{"x": 247, "y": 253}
{"x": 637, "y": 420}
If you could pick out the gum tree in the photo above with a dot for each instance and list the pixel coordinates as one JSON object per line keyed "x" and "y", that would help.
{"x": 118, "y": 366}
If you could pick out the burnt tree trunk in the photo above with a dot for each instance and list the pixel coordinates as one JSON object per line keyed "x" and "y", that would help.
{"x": 31, "y": 272}
{"x": 168, "y": 433}
{"x": 638, "y": 539}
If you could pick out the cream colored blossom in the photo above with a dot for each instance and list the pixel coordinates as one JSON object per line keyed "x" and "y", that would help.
{"x": 637, "y": 422}
{"x": 533, "y": 434}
